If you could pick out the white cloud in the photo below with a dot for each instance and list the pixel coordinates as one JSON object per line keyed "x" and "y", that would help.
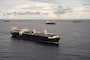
{"x": 40, "y": 9}
{"x": 36, "y": 9}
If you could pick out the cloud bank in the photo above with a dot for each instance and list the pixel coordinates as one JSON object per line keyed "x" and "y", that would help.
{"x": 45, "y": 9}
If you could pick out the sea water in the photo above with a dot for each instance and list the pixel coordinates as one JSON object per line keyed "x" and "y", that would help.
{"x": 73, "y": 45}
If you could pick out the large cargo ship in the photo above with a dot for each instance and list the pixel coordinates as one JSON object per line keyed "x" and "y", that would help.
{"x": 34, "y": 35}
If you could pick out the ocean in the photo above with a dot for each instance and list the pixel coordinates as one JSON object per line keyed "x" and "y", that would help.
{"x": 73, "y": 45}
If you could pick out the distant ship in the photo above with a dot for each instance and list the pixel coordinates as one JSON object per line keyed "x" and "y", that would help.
{"x": 34, "y": 35}
{"x": 76, "y": 21}
{"x": 49, "y": 22}
{"x": 6, "y": 21}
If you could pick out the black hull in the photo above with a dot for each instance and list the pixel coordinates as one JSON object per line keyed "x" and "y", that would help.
{"x": 35, "y": 38}
{"x": 16, "y": 35}
{"x": 51, "y": 23}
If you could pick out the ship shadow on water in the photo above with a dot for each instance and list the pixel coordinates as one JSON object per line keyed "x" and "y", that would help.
{"x": 36, "y": 42}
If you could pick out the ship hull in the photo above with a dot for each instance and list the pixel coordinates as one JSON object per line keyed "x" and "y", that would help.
{"x": 35, "y": 38}
{"x": 51, "y": 23}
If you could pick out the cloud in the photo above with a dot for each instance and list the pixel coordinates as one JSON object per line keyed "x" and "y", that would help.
{"x": 41, "y": 9}
{"x": 61, "y": 10}
{"x": 45, "y": 9}
{"x": 36, "y": 10}
{"x": 86, "y": 7}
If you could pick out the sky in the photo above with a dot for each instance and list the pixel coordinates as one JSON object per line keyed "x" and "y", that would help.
{"x": 44, "y": 9}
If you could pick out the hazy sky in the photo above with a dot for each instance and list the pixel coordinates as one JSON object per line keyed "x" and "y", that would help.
{"x": 45, "y": 9}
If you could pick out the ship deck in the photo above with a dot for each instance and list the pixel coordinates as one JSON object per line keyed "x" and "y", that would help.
{"x": 39, "y": 34}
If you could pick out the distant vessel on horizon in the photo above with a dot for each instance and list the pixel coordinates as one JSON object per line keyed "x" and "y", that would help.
{"x": 76, "y": 21}
{"x": 49, "y": 22}
{"x": 6, "y": 21}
